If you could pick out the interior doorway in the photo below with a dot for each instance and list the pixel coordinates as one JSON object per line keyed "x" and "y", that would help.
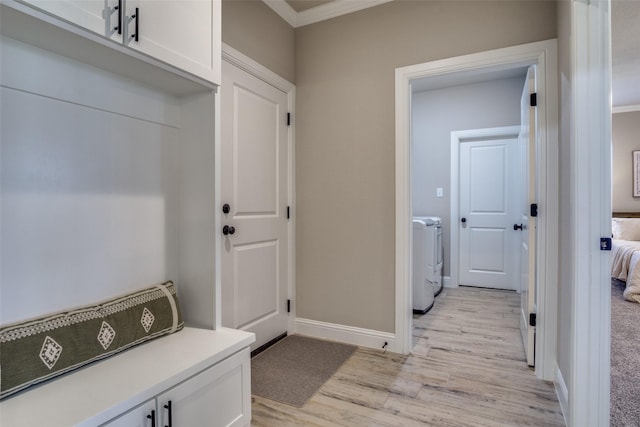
{"x": 452, "y": 71}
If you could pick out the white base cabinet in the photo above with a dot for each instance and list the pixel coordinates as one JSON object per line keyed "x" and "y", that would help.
{"x": 216, "y": 397}
{"x": 203, "y": 375}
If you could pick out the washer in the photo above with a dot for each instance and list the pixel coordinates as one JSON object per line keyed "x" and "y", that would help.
{"x": 423, "y": 294}
{"x": 434, "y": 251}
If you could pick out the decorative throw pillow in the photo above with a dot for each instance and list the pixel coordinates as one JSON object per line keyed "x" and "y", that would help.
{"x": 625, "y": 228}
{"x": 37, "y": 350}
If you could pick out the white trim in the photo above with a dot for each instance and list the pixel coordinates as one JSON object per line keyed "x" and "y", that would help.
{"x": 252, "y": 67}
{"x": 319, "y": 13}
{"x": 563, "y": 394}
{"x": 217, "y": 208}
{"x": 456, "y": 140}
{"x": 625, "y": 109}
{"x": 334, "y": 9}
{"x": 544, "y": 55}
{"x": 447, "y": 283}
{"x": 346, "y": 334}
{"x": 257, "y": 70}
{"x": 590, "y": 216}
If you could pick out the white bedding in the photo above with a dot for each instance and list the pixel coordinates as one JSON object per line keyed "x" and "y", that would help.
{"x": 625, "y": 266}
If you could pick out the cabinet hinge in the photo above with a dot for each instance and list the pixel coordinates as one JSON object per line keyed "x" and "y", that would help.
{"x": 288, "y": 306}
{"x": 533, "y": 211}
{"x": 532, "y": 319}
{"x": 533, "y": 99}
{"x": 288, "y": 119}
{"x": 605, "y": 243}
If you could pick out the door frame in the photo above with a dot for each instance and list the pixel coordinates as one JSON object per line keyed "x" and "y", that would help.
{"x": 457, "y": 138}
{"x": 259, "y": 71}
{"x": 544, "y": 55}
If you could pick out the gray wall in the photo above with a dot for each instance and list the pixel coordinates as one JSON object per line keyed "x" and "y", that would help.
{"x": 566, "y": 279}
{"x": 626, "y": 131}
{"x": 436, "y": 113}
{"x": 345, "y": 139}
{"x": 254, "y": 29}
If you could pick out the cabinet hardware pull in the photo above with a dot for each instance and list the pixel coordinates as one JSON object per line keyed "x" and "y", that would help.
{"x": 136, "y": 17}
{"x": 119, "y": 9}
{"x": 168, "y": 408}
{"x": 152, "y": 417}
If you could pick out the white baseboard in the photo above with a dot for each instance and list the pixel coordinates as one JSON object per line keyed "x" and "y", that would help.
{"x": 446, "y": 282}
{"x": 563, "y": 395}
{"x": 346, "y": 334}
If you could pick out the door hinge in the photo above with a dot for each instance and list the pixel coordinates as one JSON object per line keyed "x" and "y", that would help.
{"x": 605, "y": 243}
{"x": 532, "y": 319}
{"x": 288, "y": 306}
{"x": 533, "y": 99}
{"x": 288, "y": 212}
{"x": 533, "y": 211}
{"x": 288, "y": 119}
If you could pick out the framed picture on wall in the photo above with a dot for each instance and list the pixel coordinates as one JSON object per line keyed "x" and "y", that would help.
{"x": 636, "y": 173}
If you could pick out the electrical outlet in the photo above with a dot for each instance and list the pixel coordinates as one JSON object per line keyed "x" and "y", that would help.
{"x": 439, "y": 192}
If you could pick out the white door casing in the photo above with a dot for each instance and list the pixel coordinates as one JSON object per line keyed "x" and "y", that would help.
{"x": 544, "y": 55}
{"x": 528, "y": 196}
{"x": 488, "y": 210}
{"x": 254, "y": 183}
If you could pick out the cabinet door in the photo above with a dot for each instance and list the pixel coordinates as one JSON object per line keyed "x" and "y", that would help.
{"x": 182, "y": 33}
{"x": 137, "y": 417}
{"x": 99, "y": 16}
{"x": 219, "y": 396}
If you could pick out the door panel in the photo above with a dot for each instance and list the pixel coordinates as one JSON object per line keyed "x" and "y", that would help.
{"x": 256, "y": 197}
{"x": 254, "y": 153}
{"x": 527, "y": 149}
{"x": 487, "y": 202}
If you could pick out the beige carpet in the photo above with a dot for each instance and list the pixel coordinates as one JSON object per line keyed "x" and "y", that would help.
{"x": 625, "y": 354}
{"x": 293, "y": 369}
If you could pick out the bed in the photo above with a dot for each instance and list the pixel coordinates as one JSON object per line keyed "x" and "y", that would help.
{"x": 625, "y": 261}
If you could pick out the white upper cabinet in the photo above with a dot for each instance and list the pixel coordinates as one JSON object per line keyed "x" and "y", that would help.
{"x": 100, "y": 16}
{"x": 185, "y": 34}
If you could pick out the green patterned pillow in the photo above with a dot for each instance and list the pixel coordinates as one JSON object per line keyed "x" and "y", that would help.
{"x": 37, "y": 350}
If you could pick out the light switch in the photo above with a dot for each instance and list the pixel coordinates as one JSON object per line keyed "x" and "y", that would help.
{"x": 439, "y": 192}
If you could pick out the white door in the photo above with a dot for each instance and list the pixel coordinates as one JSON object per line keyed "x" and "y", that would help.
{"x": 527, "y": 144}
{"x": 488, "y": 212}
{"x": 254, "y": 173}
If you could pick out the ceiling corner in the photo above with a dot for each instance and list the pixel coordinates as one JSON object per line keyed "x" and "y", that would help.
{"x": 286, "y": 12}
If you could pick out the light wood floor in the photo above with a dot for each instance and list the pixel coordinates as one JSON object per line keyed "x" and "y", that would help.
{"x": 467, "y": 369}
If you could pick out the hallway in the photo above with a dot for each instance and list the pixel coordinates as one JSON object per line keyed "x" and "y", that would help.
{"x": 467, "y": 369}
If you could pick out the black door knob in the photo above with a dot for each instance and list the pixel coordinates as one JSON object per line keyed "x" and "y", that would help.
{"x": 226, "y": 208}
{"x": 463, "y": 220}
{"x": 517, "y": 227}
{"x": 228, "y": 229}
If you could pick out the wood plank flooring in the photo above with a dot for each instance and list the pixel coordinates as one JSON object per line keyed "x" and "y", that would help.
{"x": 467, "y": 368}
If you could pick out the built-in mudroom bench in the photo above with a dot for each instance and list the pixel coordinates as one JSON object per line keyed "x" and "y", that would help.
{"x": 195, "y": 376}
{"x": 108, "y": 183}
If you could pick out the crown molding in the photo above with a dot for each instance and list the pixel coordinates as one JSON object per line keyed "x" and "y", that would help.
{"x": 625, "y": 109}
{"x": 282, "y": 8}
{"x": 320, "y": 13}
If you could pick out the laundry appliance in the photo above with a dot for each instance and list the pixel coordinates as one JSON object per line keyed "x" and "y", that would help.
{"x": 427, "y": 261}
